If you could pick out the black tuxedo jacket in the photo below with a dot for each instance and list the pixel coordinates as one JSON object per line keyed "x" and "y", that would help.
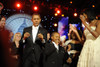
{"x": 33, "y": 48}
{"x": 52, "y": 57}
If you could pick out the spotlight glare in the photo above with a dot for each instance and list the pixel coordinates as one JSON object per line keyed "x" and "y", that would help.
{"x": 18, "y": 5}
{"x": 71, "y": 2}
{"x": 75, "y": 14}
{"x": 62, "y": 15}
{"x": 58, "y": 11}
{"x": 93, "y": 6}
{"x": 56, "y": 14}
{"x": 55, "y": 24}
{"x": 35, "y": 8}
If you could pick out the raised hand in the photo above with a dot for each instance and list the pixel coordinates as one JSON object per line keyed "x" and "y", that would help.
{"x": 83, "y": 19}
{"x": 69, "y": 60}
{"x": 26, "y": 35}
{"x": 40, "y": 36}
{"x": 72, "y": 28}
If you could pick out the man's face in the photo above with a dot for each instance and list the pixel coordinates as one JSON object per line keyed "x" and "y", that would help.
{"x": 2, "y": 22}
{"x": 36, "y": 20}
{"x": 56, "y": 38}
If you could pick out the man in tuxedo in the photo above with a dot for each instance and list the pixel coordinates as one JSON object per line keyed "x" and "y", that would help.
{"x": 34, "y": 38}
{"x": 54, "y": 53}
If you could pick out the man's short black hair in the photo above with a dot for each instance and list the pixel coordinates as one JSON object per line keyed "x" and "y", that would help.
{"x": 54, "y": 33}
{"x": 36, "y": 14}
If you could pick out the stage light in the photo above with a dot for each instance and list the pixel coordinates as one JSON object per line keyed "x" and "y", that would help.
{"x": 93, "y": 6}
{"x": 56, "y": 14}
{"x": 75, "y": 14}
{"x": 58, "y": 11}
{"x": 55, "y": 25}
{"x": 71, "y": 2}
{"x": 18, "y": 5}
{"x": 35, "y": 8}
{"x": 62, "y": 15}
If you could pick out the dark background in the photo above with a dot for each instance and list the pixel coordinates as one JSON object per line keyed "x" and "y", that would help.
{"x": 47, "y": 9}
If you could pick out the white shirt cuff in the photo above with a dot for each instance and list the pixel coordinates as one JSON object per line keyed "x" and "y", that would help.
{"x": 43, "y": 41}
{"x": 23, "y": 41}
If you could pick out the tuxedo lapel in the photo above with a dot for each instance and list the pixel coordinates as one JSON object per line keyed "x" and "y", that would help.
{"x": 39, "y": 31}
{"x": 61, "y": 50}
{"x": 30, "y": 31}
{"x": 53, "y": 45}
{"x": 55, "y": 48}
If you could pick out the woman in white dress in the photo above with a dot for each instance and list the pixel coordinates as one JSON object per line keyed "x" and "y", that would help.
{"x": 90, "y": 53}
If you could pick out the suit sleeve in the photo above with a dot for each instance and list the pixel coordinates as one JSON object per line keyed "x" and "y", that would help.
{"x": 45, "y": 35}
{"x": 39, "y": 42}
{"x": 49, "y": 49}
{"x": 21, "y": 44}
{"x": 22, "y": 41}
{"x": 66, "y": 56}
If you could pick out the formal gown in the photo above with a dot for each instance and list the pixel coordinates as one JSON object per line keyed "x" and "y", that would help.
{"x": 90, "y": 53}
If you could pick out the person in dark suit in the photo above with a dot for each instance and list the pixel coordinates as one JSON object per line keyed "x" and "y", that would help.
{"x": 34, "y": 38}
{"x": 54, "y": 53}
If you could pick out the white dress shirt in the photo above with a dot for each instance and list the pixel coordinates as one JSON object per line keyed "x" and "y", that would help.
{"x": 34, "y": 32}
{"x": 56, "y": 46}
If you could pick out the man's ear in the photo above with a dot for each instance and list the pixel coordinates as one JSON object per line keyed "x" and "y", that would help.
{"x": 40, "y": 20}
{"x": 97, "y": 17}
{"x": 86, "y": 16}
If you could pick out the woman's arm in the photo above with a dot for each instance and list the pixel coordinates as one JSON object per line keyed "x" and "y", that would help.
{"x": 96, "y": 32}
{"x": 98, "y": 27}
{"x": 69, "y": 36}
{"x": 74, "y": 29}
{"x": 81, "y": 39}
{"x": 70, "y": 30}
{"x": 78, "y": 36}
{"x": 93, "y": 32}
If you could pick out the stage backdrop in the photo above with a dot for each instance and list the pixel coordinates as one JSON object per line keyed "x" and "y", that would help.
{"x": 16, "y": 23}
{"x": 63, "y": 26}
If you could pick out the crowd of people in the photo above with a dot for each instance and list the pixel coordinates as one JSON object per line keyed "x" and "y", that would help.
{"x": 35, "y": 49}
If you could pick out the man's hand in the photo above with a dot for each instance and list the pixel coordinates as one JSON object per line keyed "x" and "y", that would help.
{"x": 15, "y": 57}
{"x": 48, "y": 36}
{"x": 40, "y": 36}
{"x": 73, "y": 28}
{"x": 26, "y": 35}
{"x": 69, "y": 60}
